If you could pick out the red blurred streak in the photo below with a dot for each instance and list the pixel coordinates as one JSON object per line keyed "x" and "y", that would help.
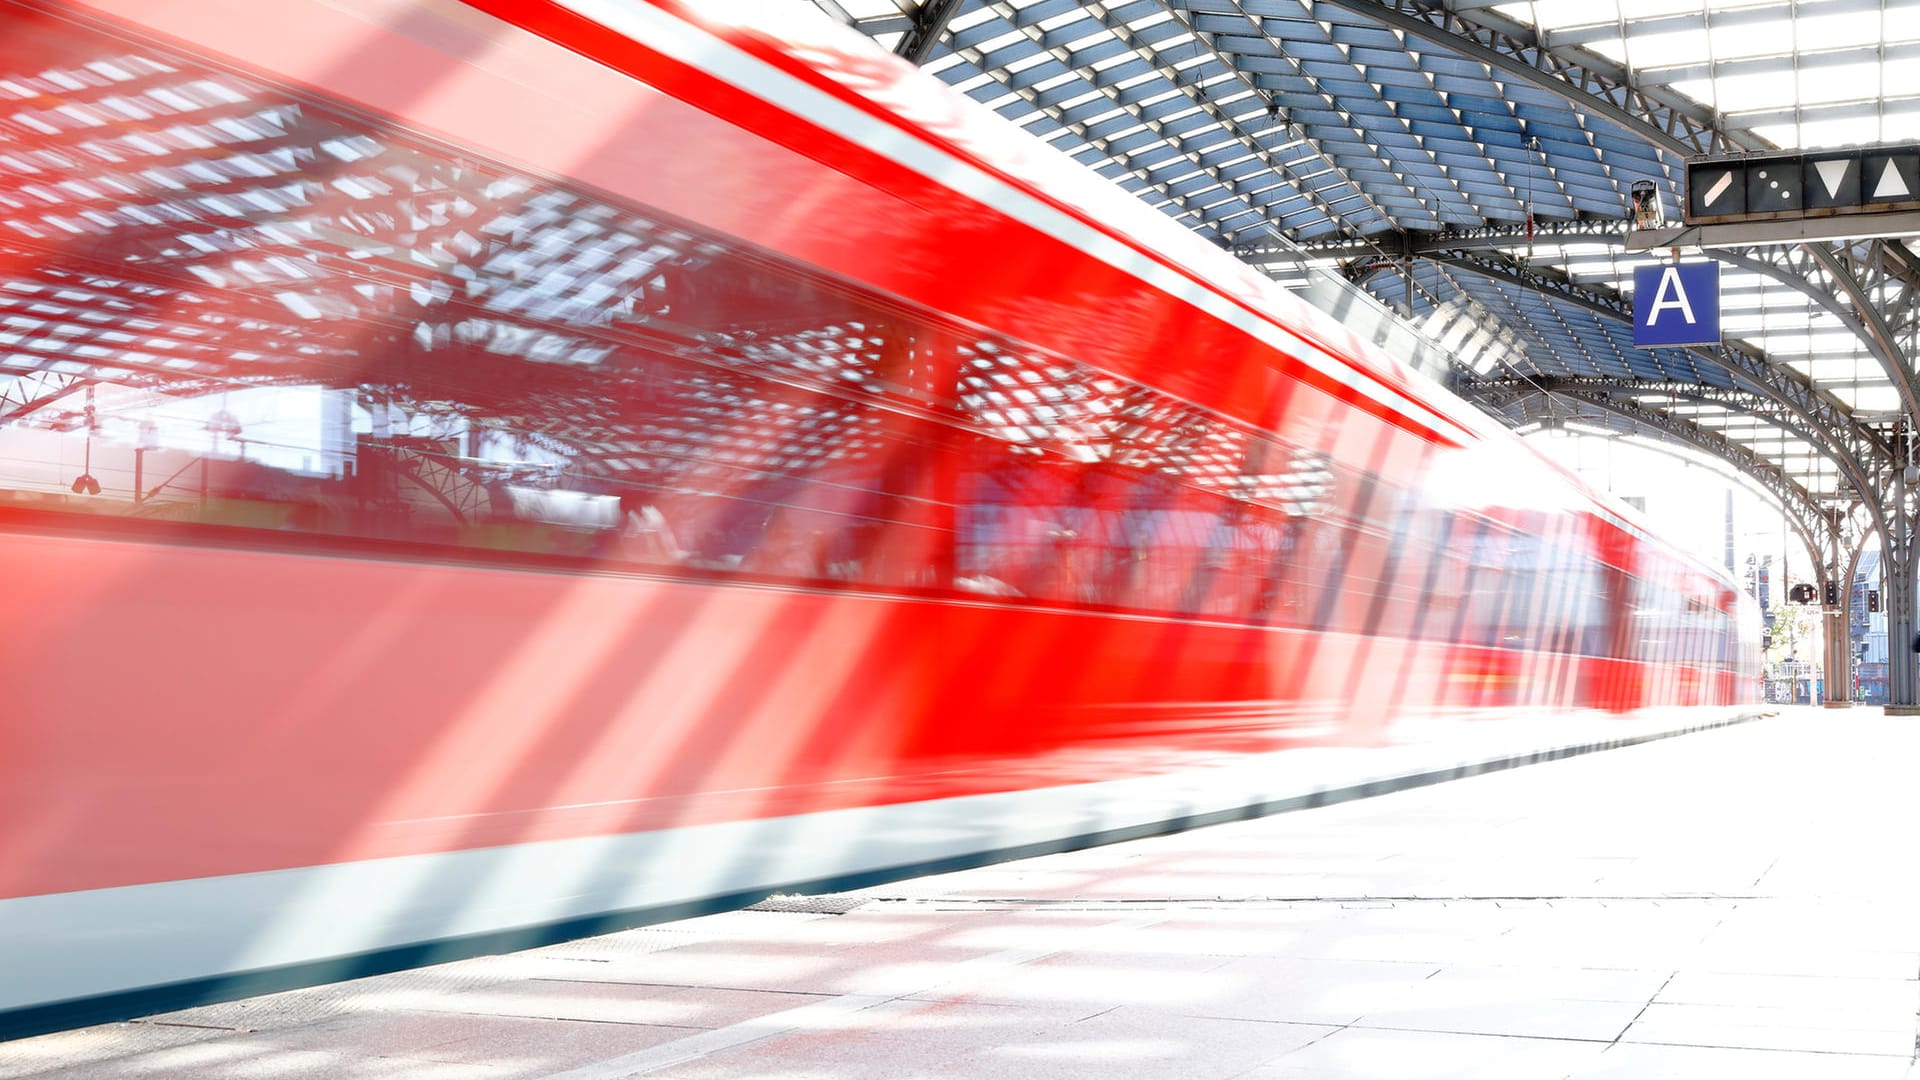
{"x": 117, "y": 793}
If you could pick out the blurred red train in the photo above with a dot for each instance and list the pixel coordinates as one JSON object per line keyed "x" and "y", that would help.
{"x": 479, "y": 472}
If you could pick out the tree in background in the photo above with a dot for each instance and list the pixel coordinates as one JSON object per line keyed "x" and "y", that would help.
{"x": 1796, "y": 634}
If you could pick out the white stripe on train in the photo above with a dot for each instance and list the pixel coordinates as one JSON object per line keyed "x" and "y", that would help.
{"x": 142, "y": 936}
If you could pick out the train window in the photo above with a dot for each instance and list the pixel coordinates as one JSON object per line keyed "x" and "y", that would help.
{"x": 1521, "y": 569}
{"x": 1446, "y": 602}
{"x": 1589, "y": 617}
{"x": 364, "y": 337}
{"x": 1485, "y": 589}
{"x": 1409, "y": 565}
{"x": 1563, "y": 578}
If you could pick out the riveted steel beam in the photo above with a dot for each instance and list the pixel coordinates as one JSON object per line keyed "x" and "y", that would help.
{"x": 1872, "y": 325}
{"x": 1805, "y": 512}
{"x": 1732, "y": 399}
{"x": 929, "y": 22}
{"x": 34, "y": 390}
{"x": 1421, "y": 243}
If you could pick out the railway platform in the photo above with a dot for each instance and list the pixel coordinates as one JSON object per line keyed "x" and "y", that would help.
{"x": 1732, "y": 902}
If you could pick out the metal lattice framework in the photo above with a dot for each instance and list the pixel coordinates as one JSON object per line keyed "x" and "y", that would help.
{"x": 1605, "y": 87}
{"x": 1447, "y": 155}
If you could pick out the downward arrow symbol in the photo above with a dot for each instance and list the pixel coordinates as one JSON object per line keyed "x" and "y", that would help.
{"x": 1832, "y": 173}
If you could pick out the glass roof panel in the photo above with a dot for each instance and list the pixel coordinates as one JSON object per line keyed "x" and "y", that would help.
{"x": 1613, "y": 48}
{"x": 1760, "y": 90}
{"x": 1747, "y": 40}
{"x": 1666, "y": 50}
{"x": 1858, "y": 81}
{"x": 1870, "y": 399}
{"x": 1816, "y": 33}
{"x": 1558, "y": 12}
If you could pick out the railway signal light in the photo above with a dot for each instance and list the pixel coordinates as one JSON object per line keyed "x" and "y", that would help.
{"x": 1833, "y": 594}
{"x": 1802, "y": 593}
{"x": 1873, "y": 599}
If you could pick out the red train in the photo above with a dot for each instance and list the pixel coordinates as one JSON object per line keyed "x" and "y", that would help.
{"x": 477, "y": 472}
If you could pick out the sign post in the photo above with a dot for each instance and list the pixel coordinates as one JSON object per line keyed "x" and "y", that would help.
{"x": 1676, "y": 304}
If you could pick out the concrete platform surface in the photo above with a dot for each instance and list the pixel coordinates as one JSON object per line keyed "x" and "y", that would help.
{"x": 1733, "y": 903}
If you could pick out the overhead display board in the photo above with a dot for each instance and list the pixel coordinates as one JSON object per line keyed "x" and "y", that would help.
{"x": 1814, "y": 183}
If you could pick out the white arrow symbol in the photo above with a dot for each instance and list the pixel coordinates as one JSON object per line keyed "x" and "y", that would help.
{"x": 1892, "y": 185}
{"x": 1719, "y": 188}
{"x": 1832, "y": 173}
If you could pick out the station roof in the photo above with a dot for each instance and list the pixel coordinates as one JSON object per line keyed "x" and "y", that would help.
{"x": 1456, "y": 157}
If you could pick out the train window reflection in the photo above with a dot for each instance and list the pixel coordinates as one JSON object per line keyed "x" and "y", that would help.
{"x": 288, "y": 317}
{"x": 246, "y": 313}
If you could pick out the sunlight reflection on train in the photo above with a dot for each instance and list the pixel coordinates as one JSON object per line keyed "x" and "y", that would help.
{"x": 1482, "y": 476}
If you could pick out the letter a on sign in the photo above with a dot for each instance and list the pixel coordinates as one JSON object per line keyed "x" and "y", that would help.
{"x": 1676, "y": 304}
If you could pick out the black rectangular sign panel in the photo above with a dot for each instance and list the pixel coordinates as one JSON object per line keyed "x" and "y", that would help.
{"x": 1830, "y": 180}
{"x": 1716, "y": 189}
{"x": 1773, "y": 186}
{"x": 1889, "y": 176}
{"x": 1817, "y": 183}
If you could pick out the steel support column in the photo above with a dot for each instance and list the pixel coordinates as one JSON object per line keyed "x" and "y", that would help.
{"x": 1833, "y": 627}
{"x": 929, "y": 22}
{"x": 1897, "y": 564}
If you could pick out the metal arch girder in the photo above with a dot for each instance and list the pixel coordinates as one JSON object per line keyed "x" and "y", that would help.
{"x": 1813, "y": 524}
{"x": 464, "y": 497}
{"x": 929, "y": 22}
{"x": 1733, "y": 399}
{"x": 31, "y": 391}
{"x": 1796, "y": 265}
{"x": 1858, "y": 450}
{"x": 1815, "y": 519}
{"x": 1816, "y": 526}
{"x": 1902, "y": 264}
{"x": 1793, "y": 265}
{"x": 1358, "y": 270}
{"x": 1584, "y": 78}
{"x": 1878, "y": 335}
{"x": 978, "y": 59}
{"x": 1419, "y": 242}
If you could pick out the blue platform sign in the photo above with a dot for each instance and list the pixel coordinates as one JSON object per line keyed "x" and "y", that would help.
{"x": 1676, "y": 304}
